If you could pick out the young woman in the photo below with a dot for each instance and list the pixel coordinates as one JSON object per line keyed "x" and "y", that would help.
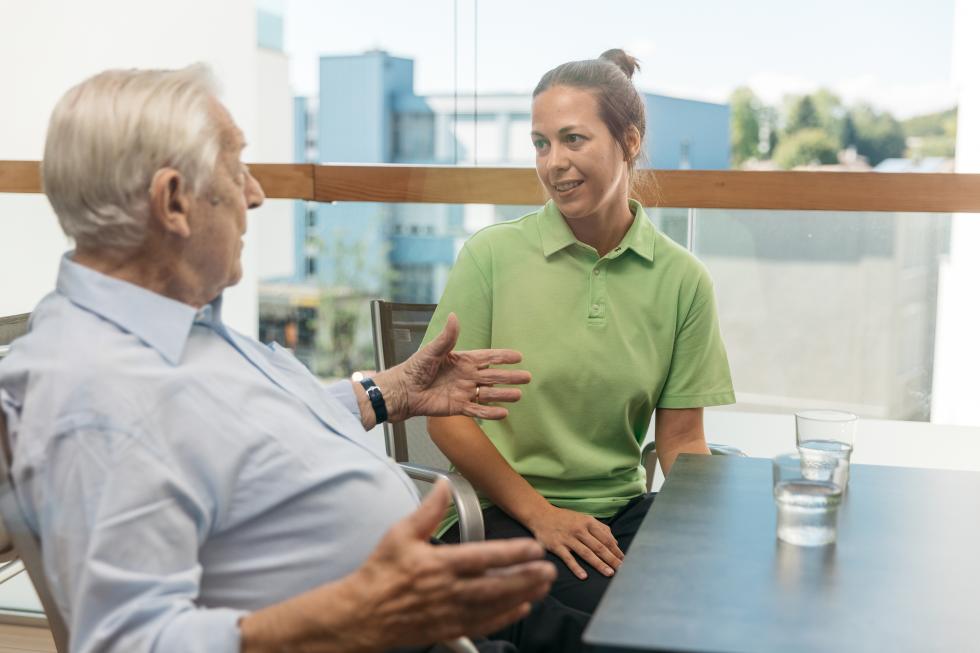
{"x": 616, "y": 323}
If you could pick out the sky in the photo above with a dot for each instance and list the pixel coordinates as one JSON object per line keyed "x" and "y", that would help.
{"x": 895, "y": 55}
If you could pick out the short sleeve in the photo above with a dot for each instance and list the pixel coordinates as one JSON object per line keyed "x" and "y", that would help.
{"x": 699, "y": 374}
{"x": 468, "y": 294}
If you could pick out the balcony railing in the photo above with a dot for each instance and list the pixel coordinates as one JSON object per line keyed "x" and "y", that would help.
{"x": 706, "y": 189}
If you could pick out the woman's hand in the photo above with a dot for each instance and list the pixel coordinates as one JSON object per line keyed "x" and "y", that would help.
{"x": 565, "y": 531}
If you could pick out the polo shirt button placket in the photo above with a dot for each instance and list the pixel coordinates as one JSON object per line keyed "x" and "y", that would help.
{"x": 597, "y": 292}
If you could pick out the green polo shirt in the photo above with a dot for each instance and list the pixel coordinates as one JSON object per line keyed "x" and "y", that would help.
{"x": 607, "y": 340}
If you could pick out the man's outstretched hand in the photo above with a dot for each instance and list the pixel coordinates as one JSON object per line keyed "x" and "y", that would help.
{"x": 437, "y": 381}
{"x": 410, "y": 592}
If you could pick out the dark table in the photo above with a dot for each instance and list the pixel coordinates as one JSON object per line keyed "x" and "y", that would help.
{"x": 706, "y": 572}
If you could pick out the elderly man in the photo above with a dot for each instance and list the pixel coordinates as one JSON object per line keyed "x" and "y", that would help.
{"x": 194, "y": 489}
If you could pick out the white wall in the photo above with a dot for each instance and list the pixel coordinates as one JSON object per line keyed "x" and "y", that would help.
{"x": 273, "y": 223}
{"x": 46, "y": 46}
{"x": 957, "y": 344}
{"x": 878, "y": 441}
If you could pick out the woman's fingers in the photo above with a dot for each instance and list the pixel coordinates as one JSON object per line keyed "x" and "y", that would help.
{"x": 592, "y": 558}
{"x": 566, "y": 556}
{"x": 602, "y": 533}
{"x": 605, "y": 554}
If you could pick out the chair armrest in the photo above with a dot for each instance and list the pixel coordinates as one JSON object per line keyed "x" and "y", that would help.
{"x": 464, "y": 498}
{"x": 648, "y": 457}
{"x": 725, "y": 450}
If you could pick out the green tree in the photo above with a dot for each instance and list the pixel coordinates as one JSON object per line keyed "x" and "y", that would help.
{"x": 801, "y": 114}
{"x": 805, "y": 147}
{"x": 932, "y": 134}
{"x": 832, "y": 117}
{"x": 745, "y": 123}
{"x": 878, "y": 135}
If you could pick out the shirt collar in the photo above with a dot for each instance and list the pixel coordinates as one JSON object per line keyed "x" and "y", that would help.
{"x": 556, "y": 234}
{"x": 162, "y": 323}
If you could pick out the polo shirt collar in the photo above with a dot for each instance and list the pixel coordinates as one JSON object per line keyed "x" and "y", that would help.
{"x": 556, "y": 235}
{"x": 160, "y": 322}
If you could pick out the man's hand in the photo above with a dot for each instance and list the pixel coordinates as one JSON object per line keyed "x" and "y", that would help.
{"x": 409, "y": 592}
{"x": 423, "y": 593}
{"x": 437, "y": 381}
{"x": 565, "y": 531}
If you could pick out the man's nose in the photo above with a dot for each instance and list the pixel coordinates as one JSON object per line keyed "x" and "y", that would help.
{"x": 254, "y": 194}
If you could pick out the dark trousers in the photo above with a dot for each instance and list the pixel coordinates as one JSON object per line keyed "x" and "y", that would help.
{"x": 557, "y": 622}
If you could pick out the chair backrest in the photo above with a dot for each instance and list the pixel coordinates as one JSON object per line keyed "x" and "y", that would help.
{"x": 11, "y": 328}
{"x": 16, "y": 537}
{"x": 398, "y": 332}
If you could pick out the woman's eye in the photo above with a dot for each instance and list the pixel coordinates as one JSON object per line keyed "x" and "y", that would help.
{"x": 539, "y": 143}
{"x": 574, "y": 138}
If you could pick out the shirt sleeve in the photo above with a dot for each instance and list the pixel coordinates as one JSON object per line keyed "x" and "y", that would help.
{"x": 699, "y": 374}
{"x": 343, "y": 392}
{"x": 468, "y": 294}
{"x": 121, "y": 528}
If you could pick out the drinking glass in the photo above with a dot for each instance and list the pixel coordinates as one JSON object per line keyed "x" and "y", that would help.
{"x": 806, "y": 512}
{"x": 788, "y": 467}
{"x": 823, "y": 436}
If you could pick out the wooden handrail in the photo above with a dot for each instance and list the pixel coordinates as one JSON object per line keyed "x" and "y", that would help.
{"x": 729, "y": 189}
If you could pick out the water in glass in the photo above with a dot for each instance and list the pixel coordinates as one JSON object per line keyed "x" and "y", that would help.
{"x": 806, "y": 512}
{"x": 823, "y": 460}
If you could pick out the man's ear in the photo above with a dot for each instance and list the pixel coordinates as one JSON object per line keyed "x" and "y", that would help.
{"x": 170, "y": 202}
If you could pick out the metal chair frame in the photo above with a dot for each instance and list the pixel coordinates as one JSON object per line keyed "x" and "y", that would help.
{"x": 396, "y": 438}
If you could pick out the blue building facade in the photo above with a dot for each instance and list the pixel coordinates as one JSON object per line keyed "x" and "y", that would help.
{"x": 368, "y": 112}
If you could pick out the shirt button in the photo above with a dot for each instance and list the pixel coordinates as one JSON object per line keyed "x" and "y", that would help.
{"x": 596, "y": 272}
{"x": 595, "y": 309}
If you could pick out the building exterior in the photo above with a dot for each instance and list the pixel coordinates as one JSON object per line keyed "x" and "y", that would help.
{"x": 247, "y": 59}
{"x": 368, "y": 112}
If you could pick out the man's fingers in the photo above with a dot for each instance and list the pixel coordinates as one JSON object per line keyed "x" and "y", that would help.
{"x": 475, "y": 558}
{"x": 430, "y": 512}
{"x": 446, "y": 340}
{"x": 479, "y": 411}
{"x": 490, "y": 395}
{"x": 495, "y": 622}
{"x": 497, "y": 376}
{"x": 484, "y": 357}
{"x": 524, "y": 582}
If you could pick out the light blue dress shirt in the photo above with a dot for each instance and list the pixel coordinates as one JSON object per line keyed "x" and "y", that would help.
{"x": 178, "y": 473}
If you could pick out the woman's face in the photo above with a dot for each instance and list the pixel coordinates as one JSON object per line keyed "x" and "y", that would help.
{"x": 578, "y": 160}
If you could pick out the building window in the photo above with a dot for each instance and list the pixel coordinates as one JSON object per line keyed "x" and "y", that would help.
{"x": 310, "y": 266}
{"x": 310, "y": 217}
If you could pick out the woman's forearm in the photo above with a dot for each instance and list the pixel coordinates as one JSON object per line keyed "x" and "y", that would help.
{"x": 678, "y": 430}
{"x": 466, "y": 445}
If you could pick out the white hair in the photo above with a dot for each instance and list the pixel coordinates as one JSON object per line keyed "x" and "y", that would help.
{"x": 109, "y": 136}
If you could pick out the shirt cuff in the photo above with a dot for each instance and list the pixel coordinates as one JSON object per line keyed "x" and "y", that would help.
{"x": 204, "y": 630}
{"x": 343, "y": 391}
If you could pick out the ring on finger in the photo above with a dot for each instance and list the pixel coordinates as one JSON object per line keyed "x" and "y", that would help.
{"x": 477, "y": 399}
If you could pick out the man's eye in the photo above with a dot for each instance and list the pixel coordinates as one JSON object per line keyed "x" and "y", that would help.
{"x": 539, "y": 143}
{"x": 574, "y": 138}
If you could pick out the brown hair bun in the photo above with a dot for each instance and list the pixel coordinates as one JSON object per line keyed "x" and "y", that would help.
{"x": 628, "y": 64}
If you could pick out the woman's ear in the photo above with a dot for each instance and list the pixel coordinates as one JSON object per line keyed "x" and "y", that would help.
{"x": 633, "y": 143}
{"x": 170, "y": 202}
